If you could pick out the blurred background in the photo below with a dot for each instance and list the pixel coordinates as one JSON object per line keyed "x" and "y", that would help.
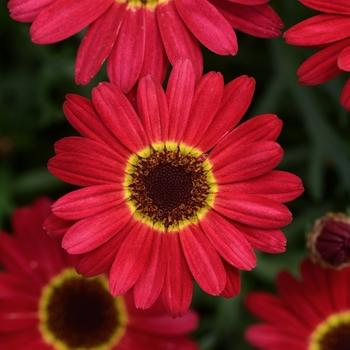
{"x": 315, "y": 137}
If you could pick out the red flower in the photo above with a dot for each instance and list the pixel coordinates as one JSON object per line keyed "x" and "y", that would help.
{"x": 328, "y": 31}
{"x": 139, "y": 37}
{"x": 172, "y": 193}
{"x": 46, "y": 305}
{"x": 311, "y": 314}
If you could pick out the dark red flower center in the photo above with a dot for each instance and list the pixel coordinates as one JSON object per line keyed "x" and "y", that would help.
{"x": 81, "y": 313}
{"x": 169, "y": 187}
{"x": 337, "y": 338}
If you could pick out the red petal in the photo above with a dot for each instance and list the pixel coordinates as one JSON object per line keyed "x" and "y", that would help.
{"x": 153, "y": 109}
{"x": 150, "y": 283}
{"x": 320, "y": 29}
{"x": 92, "y": 232}
{"x": 208, "y": 26}
{"x": 156, "y": 61}
{"x": 322, "y": 66}
{"x": 119, "y": 116}
{"x": 82, "y": 115}
{"x": 97, "y": 43}
{"x": 179, "y": 42}
{"x": 267, "y": 240}
{"x": 345, "y": 96}
{"x": 27, "y": 10}
{"x": 125, "y": 61}
{"x": 101, "y": 259}
{"x": 344, "y": 58}
{"x": 178, "y": 287}
{"x": 85, "y": 170}
{"x": 131, "y": 258}
{"x": 235, "y": 102}
{"x": 229, "y": 242}
{"x": 340, "y": 6}
{"x": 179, "y": 94}
{"x": 253, "y": 210}
{"x": 206, "y": 101}
{"x": 88, "y": 201}
{"x": 57, "y": 227}
{"x": 259, "y": 20}
{"x": 64, "y": 18}
{"x": 265, "y": 127}
{"x": 203, "y": 260}
{"x": 162, "y": 325}
{"x": 277, "y": 185}
{"x": 233, "y": 281}
{"x": 246, "y": 162}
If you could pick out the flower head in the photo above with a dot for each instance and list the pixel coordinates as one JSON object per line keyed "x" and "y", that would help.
{"x": 46, "y": 305}
{"x": 140, "y": 37}
{"x": 311, "y": 314}
{"x": 172, "y": 193}
{"x": 329, "y": 241}
{"x": 328, "y": 31}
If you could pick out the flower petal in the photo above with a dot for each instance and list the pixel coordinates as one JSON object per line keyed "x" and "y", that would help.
{"x": 208, "y": 26}
{"x": 98, "y": 42}
{"x": 344, "y": 58}
{"x": 27, "y": 10}
{"x": 206, "y": 101}
{"x": 100, "y": 260}
{"x": 119, "y": 116}
{"x": 265, "y": 127}
{"x": 179, "y": 93}
{"x": 203, "y": 260}
{"x": 266, "y": 240}
{"x": 178, "y": 286}
{"x": 233, "y": 281}
{"x": 322, "y": 66}
{"x": 150, "y": 283}
{"x": 88, "y": 201}
{"x": 179, "y": 42}
{"x": 85, "y": 169}
{"x": 57, "y": 227}
{"x": 153, "y": 109}
{"x": 234, "y": 103}
{"x": 125, "y": 61}
{"x": 228, "y": 241}
{"x": 253, "y": 210}
{"x": 340, "y": 7}
{"x": 258, "y": 20}
{"x": 278, "y": 185}
{"x": 82, "y": 115}
{"x": 156, "y": 60}
{"x": 345, "y": 96}
{"x": 63, "y": 19}
{"x": 90, "y": 233}
{"x": 245, "y": 162}
{"x": 317, "y": 30}
{"x": 130, "y": 259}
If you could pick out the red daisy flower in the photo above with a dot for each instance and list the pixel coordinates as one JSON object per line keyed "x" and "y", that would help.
{"x": 311, "y": 314}
{"x": 46, "y": 305}
{"x": 171, "y": 193}
{"x": 328, "y": 31}
{"x": 139, "y": 37}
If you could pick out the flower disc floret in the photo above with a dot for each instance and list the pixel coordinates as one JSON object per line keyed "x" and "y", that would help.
{"x": 169, "y": 187}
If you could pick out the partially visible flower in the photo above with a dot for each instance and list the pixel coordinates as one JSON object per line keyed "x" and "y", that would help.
{"x": 173, "y": 193}
{"x": 46, "y": 305}
{"x": 311, "y": 314}
{"x": 140, "y": 37}
{"x": 329, "y": 241}
{"x": 329, "y": 32}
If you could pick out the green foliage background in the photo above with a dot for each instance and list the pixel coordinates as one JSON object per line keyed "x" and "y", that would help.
{"x": 34, "y": 82}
